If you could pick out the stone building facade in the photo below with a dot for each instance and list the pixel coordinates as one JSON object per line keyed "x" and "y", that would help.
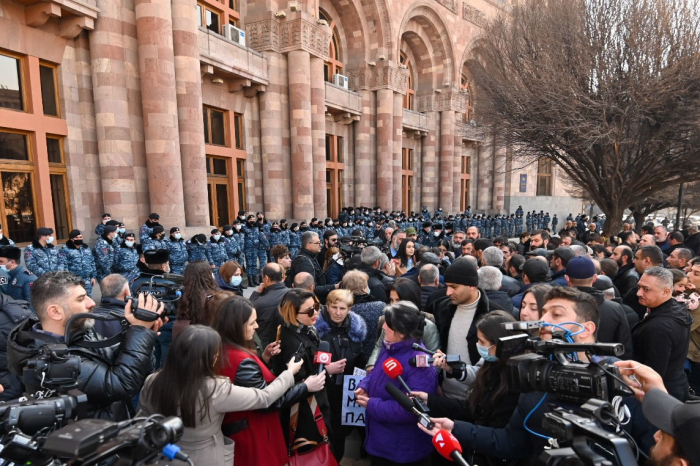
{"x": 135, "y": 106}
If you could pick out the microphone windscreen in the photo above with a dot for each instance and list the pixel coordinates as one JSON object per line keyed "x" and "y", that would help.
{"x": 399, "y": 396}
{"x": 392, "y": 368}
{"x": 446, "y": 443}
{"x": 324, "y": 346}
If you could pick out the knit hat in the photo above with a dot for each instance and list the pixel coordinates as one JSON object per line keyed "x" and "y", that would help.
{"x": 462, "y": 272}
{"x": 536, "y": 270}
{"x": 580, "y": 267}
{"x": 74, "y": 233}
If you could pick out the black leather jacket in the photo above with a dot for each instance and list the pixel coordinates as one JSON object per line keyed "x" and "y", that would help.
{"x": 250, "y": 375}
{"x": 109, "y": 379}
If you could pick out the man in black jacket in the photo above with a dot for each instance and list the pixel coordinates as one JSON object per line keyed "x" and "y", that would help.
{"x": 613, "y": 326}
{"x": 371, "y": 259}
{"x": 12, "y": 312}
{"x": 267, "y": 298}
{"x": 110, "y": 378}
{"x": 456, "y": 316}
{"x": 661, "y": 338}
{"x": 626, "y": 277}
{"x": 306, "y": 261}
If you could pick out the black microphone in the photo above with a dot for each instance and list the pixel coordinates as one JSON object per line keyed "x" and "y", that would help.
{"x": 407, "y": 404}
{"x": 323, "y": 355}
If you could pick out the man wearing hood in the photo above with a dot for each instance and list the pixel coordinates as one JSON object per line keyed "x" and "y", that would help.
{"x": 662, "y": 337}
{"x": 42, "y": 256}
{"x": 104, "y": 252}
{"x": 613, "y": 326}
{"x": 110, "y": 378}
{"x": 76, "y": 257}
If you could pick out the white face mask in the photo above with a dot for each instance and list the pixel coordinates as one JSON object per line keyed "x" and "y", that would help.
{"x": 216, "y": 237}
{"x": 49, "y": 240}
{"x": 3, "y": 268}
{"x": 129, "y": 243}
{"x": 1, "y": 235}
{"x": 122, "y": 230}
{"x": 178, "y": 236}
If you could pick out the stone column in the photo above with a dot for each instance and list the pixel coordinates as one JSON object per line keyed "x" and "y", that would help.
{"x": 361, "y": 129}
{"x": 189, "y": 110}
{"x": 457, "y": 173}
{"x": 429, "y": 181}
{"x": 300, "y": 132}
{"x": 498, "y": 196}
{"x": 109, "y": 76}
{"x": 318, "y": 134}
{"x": 483, "y": 178}
{"x": 447, "y": 123}
{"x": 273, "y": 172}
{"x": 398, "y": 151}
{"x": 385, "y": 143}
{"x": 154, "y": 32}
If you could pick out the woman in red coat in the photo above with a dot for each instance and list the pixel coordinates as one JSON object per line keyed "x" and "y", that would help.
{"x": 258, "y": 436}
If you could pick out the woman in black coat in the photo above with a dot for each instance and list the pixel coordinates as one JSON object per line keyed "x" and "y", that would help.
{"x": 491, "y": 401}
{"x": 345, "y": 332}
{"x": 298, "y": 336}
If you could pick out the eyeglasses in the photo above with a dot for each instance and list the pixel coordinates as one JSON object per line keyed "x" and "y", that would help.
{"x": 311, "y": 311}
{"x": 315, "y": 242}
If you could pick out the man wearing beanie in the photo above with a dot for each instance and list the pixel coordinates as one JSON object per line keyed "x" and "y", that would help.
{"x": 103, "y": 250}
{"x": 612, "y": 326}
{"x": 41, "y": 256}
{"x": 19, "y": 278}
{"x": 456, "y": 316}
{"x": 76, "y": 257}
{"x": 534, "y": 271}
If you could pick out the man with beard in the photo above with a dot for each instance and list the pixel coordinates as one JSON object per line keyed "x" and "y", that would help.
{"x": 147, "y": 228}
{"x": 626, "y": 277}
{"x": 110, "y": 377}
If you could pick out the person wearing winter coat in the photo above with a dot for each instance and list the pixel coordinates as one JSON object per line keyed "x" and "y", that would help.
{"x": 76, "y": 257}
{"x": 392, "y": 433}
{"x": 103, "y": 250}
{"x": 216, "y": 247}
{"x": 41, "y": 256}
{"x": 197, "y": 249}
{"x": 345, "y": 332}
{"x": 257, "y": 434}
{"x": 178, "y": 251}
{"x": 12, "y": 312}
{"x": 661, "y": 339}
{"x": 19, "y": 279}
{"x": 364, "y": 305}
{"x": 110, "y": 377}
{"x": 126, "y": 256}
{"x": 189, "y": 387}
{"x": 230, "y": 277}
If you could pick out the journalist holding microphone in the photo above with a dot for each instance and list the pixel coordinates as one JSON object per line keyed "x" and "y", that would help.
{"x": 392, "y": 434}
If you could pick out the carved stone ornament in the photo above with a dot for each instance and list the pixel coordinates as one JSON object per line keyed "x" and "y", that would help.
{"x": 473, "y": 15}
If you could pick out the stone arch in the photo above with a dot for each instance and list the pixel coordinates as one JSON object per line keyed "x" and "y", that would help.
{"x": 463, "y": 68}
{"x": 420, "y": 51}
{"x": 438, "y": 37}
{"x": 352, "y": 29}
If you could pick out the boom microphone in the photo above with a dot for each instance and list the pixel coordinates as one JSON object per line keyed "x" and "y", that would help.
{"x": 407, "y": 404}
{"x": 448, "y": 446}
{"x": 323, "y": 355}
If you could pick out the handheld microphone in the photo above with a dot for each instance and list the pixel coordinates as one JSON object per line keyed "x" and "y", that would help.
{"x": 394, "y": 370}
{"x": 323, "y": 355}
{"x": 407, "y": 404}
{"x": 449, "y": 358}
{"x": 448, "y": 446}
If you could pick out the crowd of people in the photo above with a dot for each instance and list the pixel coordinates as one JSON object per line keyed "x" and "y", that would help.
{"x": 244, "y": 374}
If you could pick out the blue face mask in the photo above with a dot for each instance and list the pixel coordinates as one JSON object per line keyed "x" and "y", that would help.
{"x": 236, "y": 280}
{"x": 484, "y": 353}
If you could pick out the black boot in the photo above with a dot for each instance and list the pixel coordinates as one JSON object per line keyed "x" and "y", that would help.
{"x": 251, "y": 281}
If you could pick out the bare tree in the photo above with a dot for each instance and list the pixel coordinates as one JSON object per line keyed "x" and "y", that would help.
{"x": 607, "y": 89}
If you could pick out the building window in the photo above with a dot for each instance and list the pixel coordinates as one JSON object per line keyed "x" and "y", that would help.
{"x": 11, "y": 83}
{"x": 406, "y": 179}
{"x": 219, "y": 187}
{"x": 32, "y": 161}
{"x": 49, "y": 91}
{"x": 213, "y": 14}
{"x": 334, "y": 174}
{"x": 465, "y": 176}
{"x": 467, "y": 88}
{"x": 334, "y": 65}
{"x": 544, "y": 177}
{"x": 214, "y": 126}
{"x": 409, "y": 98}
{"x": 238, "y": 130}
{"x": 523, "y": 182}
{"x": 242, "y": 201}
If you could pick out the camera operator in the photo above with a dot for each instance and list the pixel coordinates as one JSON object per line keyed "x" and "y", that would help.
{"x": 678, "y": 423}
{"x": 517, "y": 440}
{"x": 109, "y": 378}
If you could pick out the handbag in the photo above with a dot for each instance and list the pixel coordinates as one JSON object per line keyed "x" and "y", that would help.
{"x": 321, "y": 454}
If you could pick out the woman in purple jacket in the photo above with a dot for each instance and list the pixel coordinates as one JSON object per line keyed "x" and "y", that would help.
{"x": 393, "y": 437}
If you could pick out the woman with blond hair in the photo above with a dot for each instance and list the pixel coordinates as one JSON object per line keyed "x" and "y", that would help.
{"x": 345, "y": 332}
